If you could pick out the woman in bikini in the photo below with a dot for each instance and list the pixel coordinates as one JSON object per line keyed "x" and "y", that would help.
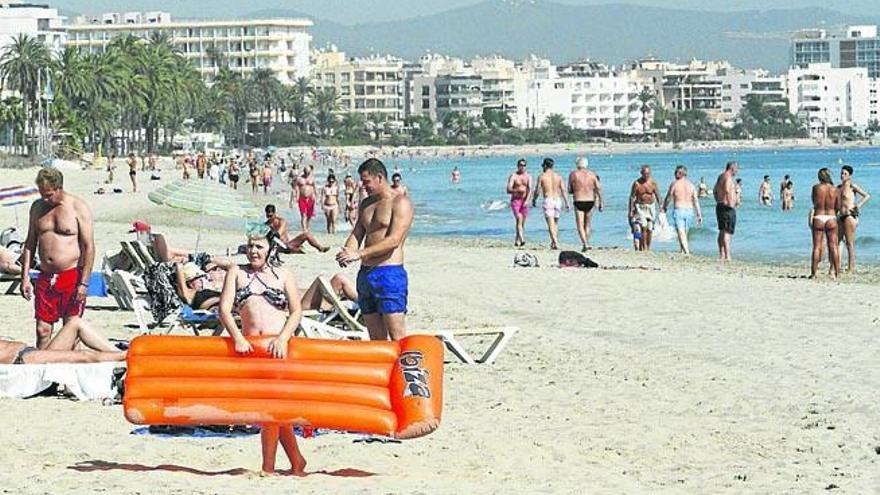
{"x": 266, "y": 298}
{"x": 62, "y": 347}
{"x": 848, "y": 218}
{"x": 823, "y": 222}
{"x": 330, "y": 202}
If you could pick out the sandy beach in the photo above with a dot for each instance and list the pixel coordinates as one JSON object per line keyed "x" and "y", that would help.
{"x": 660, "y": 374}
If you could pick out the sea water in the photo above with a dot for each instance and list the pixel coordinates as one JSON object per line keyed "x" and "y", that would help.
{"x": 477, "y": 207}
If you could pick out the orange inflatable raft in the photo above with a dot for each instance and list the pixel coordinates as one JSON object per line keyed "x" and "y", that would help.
{"x": 384, "y": 388}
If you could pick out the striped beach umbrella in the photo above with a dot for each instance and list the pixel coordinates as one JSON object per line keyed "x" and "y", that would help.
{"x": 18, "y": 195}
{"x": 204, "y": 197}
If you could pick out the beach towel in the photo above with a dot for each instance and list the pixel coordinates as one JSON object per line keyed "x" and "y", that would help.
{"x": 85, "y": 381}
{"x": 525, "y": 260}
{"x": 159, "y": 280}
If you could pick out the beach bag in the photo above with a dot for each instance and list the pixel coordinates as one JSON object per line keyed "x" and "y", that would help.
{"x": 526, "y": 260}
{"x": 663, "y": 232}
{"x": 575, "y": 259}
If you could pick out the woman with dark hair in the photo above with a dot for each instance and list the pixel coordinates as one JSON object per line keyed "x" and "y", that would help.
{"x": 330, "y": 203}
{"x": 823, "y": 222}
{"x": 852, "y": 199}
{"x": 266, "y": 298}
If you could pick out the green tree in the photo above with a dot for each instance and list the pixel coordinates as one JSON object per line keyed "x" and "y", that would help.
{"x": 557, "y": 128}
{"x": 23, "y": 68}
{"x": 646, "y": 103}
{"x": 325, "y": 103}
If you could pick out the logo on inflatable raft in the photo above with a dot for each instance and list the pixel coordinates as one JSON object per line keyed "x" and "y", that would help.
{"x": 414, "y": 375}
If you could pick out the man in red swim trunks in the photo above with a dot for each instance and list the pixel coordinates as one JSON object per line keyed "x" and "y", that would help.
{"x": 60, "y": 226}
{"x": 304, "y": 192}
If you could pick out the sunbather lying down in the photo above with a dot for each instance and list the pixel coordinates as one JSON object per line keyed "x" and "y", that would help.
{"x": 61, "y": 349}
{"x": 343, "y": 286}
{"x": 9, "y": 262}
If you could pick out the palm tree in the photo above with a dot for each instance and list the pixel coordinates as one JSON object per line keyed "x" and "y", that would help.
{"x": 646, "y": 100}
{"x": 22, "y": 66}
{"x": 376, "y": 122}
{"x": 298, "y": 100}
{"x": 557, "y": 127}
{"x": 458, "y": 125}
{"x": 265, "y": 88}
{"x": 325, "y": 103}
{"x": 353, "y": 126}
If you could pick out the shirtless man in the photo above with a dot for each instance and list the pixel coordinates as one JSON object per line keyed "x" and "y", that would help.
{"x": 685, "y": 201}
{"x": 132, "y": 171}
{"x": 765, "y": 192}
{"x": 786, "y": 194}
{"x": 848, "y": 217}
{"x": 397, "y": 185}
{"x": 550, "y": 185}
{"x": 726, "y": 201}
{"x": 201, "y": 165}
{"x": 383, "y": 224}
{"x": 519, "y": 186}
{"x": 294, "y": 245}
{"x": 61, "y": 349}
{"x": 644, "y": 196}
{"x": 586, "y": 191}
{"x": 304, "y": 193}
{"x": 60, "y": 226}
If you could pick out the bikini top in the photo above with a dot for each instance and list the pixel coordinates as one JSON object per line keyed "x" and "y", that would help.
{"x": 276, "y": 297}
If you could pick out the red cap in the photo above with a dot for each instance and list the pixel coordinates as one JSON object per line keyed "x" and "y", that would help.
{"x": 139, "y": 226}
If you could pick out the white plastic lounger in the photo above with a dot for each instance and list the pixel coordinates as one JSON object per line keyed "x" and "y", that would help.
{"x": 312, "y": 326}
{"x": 450, "y": 338}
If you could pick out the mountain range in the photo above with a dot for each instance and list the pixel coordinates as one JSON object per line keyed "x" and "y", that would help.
{"x": 613, "y": 33}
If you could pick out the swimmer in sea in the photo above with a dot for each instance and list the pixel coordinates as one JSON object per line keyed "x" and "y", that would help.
{"x": 456, "y": 176}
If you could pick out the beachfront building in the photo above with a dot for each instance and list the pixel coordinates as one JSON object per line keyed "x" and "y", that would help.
{"x": 372, "y": 86}
{"x": 826, "y": 98}
{"x": 589, "y": 96}
{"x": 738, "y": 85}
{"x": 35, "y": 20}
{"x": 853, "y": 46}
{"x": 280, "y": 45}
{"x": 695, "y": 85}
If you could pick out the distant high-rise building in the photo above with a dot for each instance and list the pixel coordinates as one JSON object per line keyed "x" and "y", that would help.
{"x": 855, "y": 46}
{"x": 826, "y": 97}
{"x": 36, "y": 20}
{"x": 280, "y": 45}
{"x": 369, "y": 86}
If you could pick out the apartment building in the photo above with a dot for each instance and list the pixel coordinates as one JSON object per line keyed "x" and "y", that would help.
{"x": 370, "y": 85}
{"x": 35, "y": 20}
{"x": 738, "y": 85}
{"x": 826, "y": 97}
{"x": 589, "y": 96}
{"x": 853, "y": 46}
{"x": 280, "y": 45}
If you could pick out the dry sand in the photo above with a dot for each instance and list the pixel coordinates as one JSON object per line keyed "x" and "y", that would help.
{"x": 693, "y": 378}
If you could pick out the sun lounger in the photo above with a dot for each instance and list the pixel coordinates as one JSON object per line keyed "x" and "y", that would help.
{"x": 341, "y": 310}
{"x": 313, "y": 326}
{"x": 13, "y": 280}
{"x": 134, "y": 295}
{"x": 85, "y": 381}
{"x": 502, "y": 336}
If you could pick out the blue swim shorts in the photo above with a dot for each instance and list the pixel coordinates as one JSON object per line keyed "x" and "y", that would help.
{"x": 683, "y": 218}
{"x": 382, "y": 289}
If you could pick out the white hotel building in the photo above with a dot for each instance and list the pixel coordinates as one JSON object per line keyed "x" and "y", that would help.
{"x": 35, "y": 20}
{"x": 589, "y": 96}
{"x": 281, "y": 45}
{"x": 826, "y": 97}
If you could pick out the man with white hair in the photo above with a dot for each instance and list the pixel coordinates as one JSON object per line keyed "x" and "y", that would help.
{"x": 586, "y": 190}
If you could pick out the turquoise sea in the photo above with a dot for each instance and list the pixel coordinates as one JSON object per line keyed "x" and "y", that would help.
{"x": 477, "y": 207}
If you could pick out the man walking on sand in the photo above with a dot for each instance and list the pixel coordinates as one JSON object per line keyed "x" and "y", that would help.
{"x": 550, "y": 185}
{"x": 383, "y": 223}
{"x": 60, "y": 227}
{"x": 644, "y": 197}
{"x": 586, "y": 191}
{"x": 685, "y": 201}
{"x": 519, "y": 186}
{"x": 304, "y": 194}
{"x": 725, "y": 208}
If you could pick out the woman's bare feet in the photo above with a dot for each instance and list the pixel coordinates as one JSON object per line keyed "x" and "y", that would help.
{"x": 298, "y": 466}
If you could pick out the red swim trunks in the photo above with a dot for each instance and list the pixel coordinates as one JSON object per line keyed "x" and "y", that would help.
{"x": 307, "y": 206}
{"x": 55, "y": 296}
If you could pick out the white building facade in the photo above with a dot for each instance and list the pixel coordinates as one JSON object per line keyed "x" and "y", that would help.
{"x": 590, "y": 97}
{"x": 35, "y": 20}
{"x": 738, "y": 85}
{"x": 280, "y": 45}
{"x": 825, "y": 97}
{"x": 369, "y": 86}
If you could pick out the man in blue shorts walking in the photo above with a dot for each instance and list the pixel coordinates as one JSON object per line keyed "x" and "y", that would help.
{"x": 383, "y": 223}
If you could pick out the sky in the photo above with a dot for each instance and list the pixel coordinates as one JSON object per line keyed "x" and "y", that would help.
{"x": 361, "y": 11}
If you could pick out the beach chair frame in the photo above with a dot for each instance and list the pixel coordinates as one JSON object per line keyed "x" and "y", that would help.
{"x": 451, "y": 339}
